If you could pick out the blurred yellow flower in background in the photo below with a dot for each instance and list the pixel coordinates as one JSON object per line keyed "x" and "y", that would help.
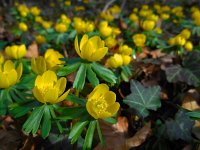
{"x": 139, "y": 40}
{"x": 48, "y": 89}
{"x": 22, "y": 26}
{"x": 91, "y": 49}
{"x": 40, "y": 39}
{"x": 52, "y": 58}
{"x": 188, "y": 46}
{"x": 35, "y": 11}
{"x": 148, "y": 25}
{"x": 61, "y": 27}
{"x": 9, "y": 75}
{"x": 102, "y": 103}
{"x": 16, "y": 51}
{"x": 38, "y": 65}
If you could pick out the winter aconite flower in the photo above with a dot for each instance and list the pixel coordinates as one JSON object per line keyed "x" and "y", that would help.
{"x": 9, "y": 75}
{"x": 52, "y": 58}
{"x": 139, "y": 40}
{"x": 102, "y": 102}
{"x": 91, "y": 49}
{"x": 48, "y": 89}
{"x": 23, "y": 27}
{"x": 16, "y": 51}
{"x": 38, "y": 65}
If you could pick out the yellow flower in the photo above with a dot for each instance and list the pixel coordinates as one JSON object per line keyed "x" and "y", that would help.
{"x": 46, "y": 24}
{"x": 89, "y": 26}
{"x": 148, "y": 25}
{"x": 23, "y": 10}
{"x": 52, "y": 58}
{"x": 115, "y": 9}
{"x": 158, "y": 30}
{"x": 16, "y": 51}
{"x": 116, "y": 31}
{"x": 165, "y": 16}
{"x": 65, "y": 19}
{"x": 68, "y": 3}
{"x": 91, "y": 49}
{"x": 61, "y": 27}
{"x": 153, "y": 17}
{"x": 133, "y": 17}
{"x": 110, "y": 42}
{"x": 9, "y": 75}
{"x": 139, "y": 40}
{"x": 35, "y": 11}
{"x": 40, "y": 39}
{"x": 38, "y": 19}
{"x": 102, "y": 102}
{"x": 179, "y": 40}
{"x": 188, "y": 46}
{"x": 105, "y": 29}
{"x": 186, "y": 33}
{"x": 126, "y": 59}
{"x": 23, "y": 26}
{"x": 125, "y": 49}
{"x": 2, "y": 59}
{"x": 38, "y": 65}
{"x": 48, "y": 89}
{"x": 107, "y": 16}
{"x": 115, "y": 61}
{"x": 79, "y": 25}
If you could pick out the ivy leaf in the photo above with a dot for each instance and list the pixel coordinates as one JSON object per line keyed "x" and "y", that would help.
{"x": 180, "y": 127}
{"x": 143, "y": 99}
{"x": 189, "y": 72}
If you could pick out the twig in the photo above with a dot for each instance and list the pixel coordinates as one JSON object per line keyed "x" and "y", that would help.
{"x": 108, "y": 4}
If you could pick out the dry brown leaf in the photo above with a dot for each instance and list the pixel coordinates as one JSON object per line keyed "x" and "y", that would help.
{"x": 139, "y": 137}
{"x": 114, "y": 135}
{"x": 143, "y": 54}
{"x": 157, "y": 53}
{"x": 190, "y": 100}
{"x": 32, "y": 51}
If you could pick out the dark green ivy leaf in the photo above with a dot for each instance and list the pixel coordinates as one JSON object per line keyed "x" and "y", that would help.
{"x": 143, "y": 99}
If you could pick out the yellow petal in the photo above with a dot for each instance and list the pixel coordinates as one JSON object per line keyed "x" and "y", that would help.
{"x": 84, "y": 40}
{"x": 38, "y": 95}
{"x": 19, "y": 71}
{"x": 104, "y": 115}
{"x": 62, "y": 97}
{"x": 87, "y": 50}
{"x": 89, "y": 107}
{"x": 60, "y": 85}
{"x": 38, "y": 81}
{"x": 112, "y": 109}
{"x": 51, "y": 95}
{"x": 14, "y": 50}
{"x": 21, "y": 51}
{"x": 110, "y": 97}
{"x": 33, "y": 65}
{"x": 77, "y": 46}
{"x": 95, "y": 41}
{"x": 98, "y": 91}
{"x": 49, "y": 77}
{"x": 12, "y": 77}
{"x": 8, "y": 66}
{"x": 8, "y": 51}
{"x": 99, "y": 54}
{"x": 41, "y": 65}
{"x": 3, "y": 81}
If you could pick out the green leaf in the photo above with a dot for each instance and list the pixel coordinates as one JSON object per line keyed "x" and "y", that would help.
{"x": 89, "y": 135}
{"x": 71, "y": 112}
{"x": 111, "y": 120}
{"x": 194, "y": 114}
{"x": 189, "y": 73}
{"x": 20, "y": 109}
{"x": 64, "y": 71}
{"x": 5, "y": 100}
{"x": 91, "y": 76}
{"x": 104, "y": 73}
{"x": 33, "y": 122}
{"x": 180, "y": 127}
{"x": 80, "y": 77}
{"x": 46, "y": 123}
{"x": 77, "y": 130}
{"x": 75, "y": 99}
{"x": 143, "y": 99}
{"x": 100, "y": 134}
{"x": 27, "y": 82}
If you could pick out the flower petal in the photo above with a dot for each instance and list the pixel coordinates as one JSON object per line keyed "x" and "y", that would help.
{"x": 87, "y": 50}
{"x": 49, "y": 77}
{"x": 38, "y": 95}
{"x": 4, "y": 83}
{"x": 19, "y": 71}
{"x": 99, "y": 54}
{"x": 98, "y": 91}
{"x": 8, "y": 66}
{"x": 51, "y": 95}
{"x": 112, "y": 109}
{"x": 84, "y": 40}
{"x": 110, "y": 97}
{"x": 89, "y": 107}
{"x": 104, "y": 115}
{"x": 62, "y": 97}
{"x": 77, "y": 46}
{"x": 60, "y": 85}
{"x": 12, "y": 77}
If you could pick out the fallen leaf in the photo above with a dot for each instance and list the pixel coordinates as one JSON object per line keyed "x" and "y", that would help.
{"x": 140, "y": 136}
{"x": 32, "y": 51}
{"x": 157, "y": 53}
